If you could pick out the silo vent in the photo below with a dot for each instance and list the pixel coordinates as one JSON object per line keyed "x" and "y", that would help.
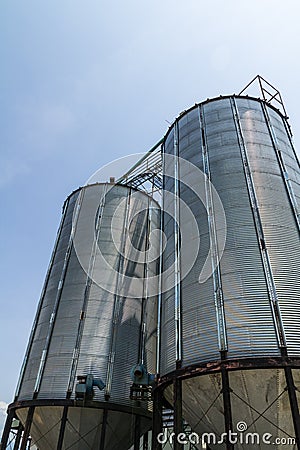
{"x": 84, "y": 388}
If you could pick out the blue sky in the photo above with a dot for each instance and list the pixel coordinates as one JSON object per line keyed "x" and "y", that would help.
{"x": 85, "y": 82}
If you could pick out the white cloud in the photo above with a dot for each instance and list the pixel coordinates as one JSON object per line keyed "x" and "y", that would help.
{"x": 3, "y": 408}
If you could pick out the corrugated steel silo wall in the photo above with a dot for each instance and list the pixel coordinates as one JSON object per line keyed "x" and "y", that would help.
{"x": 82, "y": 328}
{"x": 229, "y": 130}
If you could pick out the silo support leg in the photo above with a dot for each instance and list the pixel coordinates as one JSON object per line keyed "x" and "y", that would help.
{"x": 157, "y": 423}
{"x": 18, "y": 437}
{"x": 293, "y": 403}
{"x": 103, "y": 430}
{"x": 137, "y": 432}
{"x": 178, "y": 421}
{"x": 61, "y": 436}
{"x": 227, "y": 405}
{"x": 145, "y": 441}
{"x": 27, "y": 427}
{"x": 6, "y": 431}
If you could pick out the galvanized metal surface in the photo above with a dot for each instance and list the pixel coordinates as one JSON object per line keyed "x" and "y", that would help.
{"x": 83, "y": 328}
{"x": 260, "y": 265}
{"x": 218, "y": 289}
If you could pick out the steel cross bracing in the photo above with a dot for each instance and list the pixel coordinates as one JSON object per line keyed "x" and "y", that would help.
{"x": 146, "y": 174}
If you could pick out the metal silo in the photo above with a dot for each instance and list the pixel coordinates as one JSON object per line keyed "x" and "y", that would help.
{"x": 96, "y": 319}
{"x": 230, "y": 311}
